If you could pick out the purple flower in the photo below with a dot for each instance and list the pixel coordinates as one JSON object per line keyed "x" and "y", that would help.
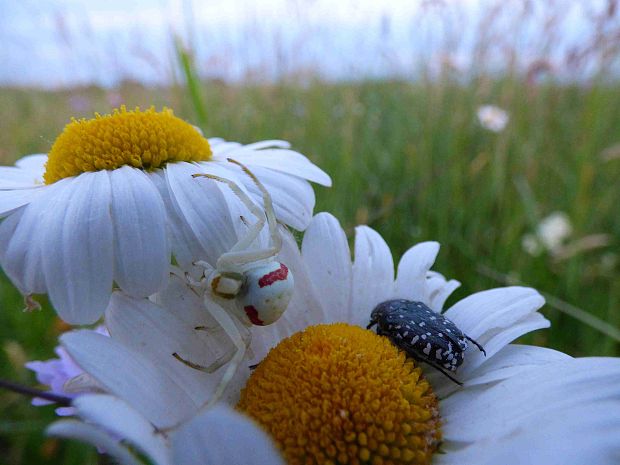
{"x": 57, "y": 372}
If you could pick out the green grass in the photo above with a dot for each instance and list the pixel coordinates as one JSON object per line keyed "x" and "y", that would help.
{"x": 408, "y": 159}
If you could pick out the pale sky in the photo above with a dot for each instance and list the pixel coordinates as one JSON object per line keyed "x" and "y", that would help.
{"x": 67, "y": 42}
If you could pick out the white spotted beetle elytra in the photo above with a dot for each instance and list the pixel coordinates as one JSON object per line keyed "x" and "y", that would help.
{"x": 422, "y": 334}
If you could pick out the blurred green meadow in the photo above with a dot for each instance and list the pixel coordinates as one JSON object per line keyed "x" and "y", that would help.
{"x": 409, "y": 159}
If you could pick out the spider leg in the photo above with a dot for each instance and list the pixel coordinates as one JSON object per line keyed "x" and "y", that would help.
{"x": 220, "y": 362}
{"x": 228, "y": 325}
{"x": 238, "y": 255}
{"x": 176, "y": 271}
{"x": 256, "y": 228}
{"x": 31, "y": 304}
{"x": 187, "y": 278}
{"x": 208, "y": 368}
{"x": 268, "y": 203}
{"x": 232, "y": 260}
{"x": 235, "y": 257}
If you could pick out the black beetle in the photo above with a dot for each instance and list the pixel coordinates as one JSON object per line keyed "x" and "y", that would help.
{"x": 422, "y": 334}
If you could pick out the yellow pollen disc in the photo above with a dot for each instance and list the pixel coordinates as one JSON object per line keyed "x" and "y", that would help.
{"x": 339, "y": 394}
{"x": 141, "y": 139}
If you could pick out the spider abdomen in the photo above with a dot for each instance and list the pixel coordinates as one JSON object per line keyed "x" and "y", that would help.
{"x": 266, "y": 293}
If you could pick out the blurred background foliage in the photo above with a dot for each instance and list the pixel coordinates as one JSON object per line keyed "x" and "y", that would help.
{"x": 409, "y": 158}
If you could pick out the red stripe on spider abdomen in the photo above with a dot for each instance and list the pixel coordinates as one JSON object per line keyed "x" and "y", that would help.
{"x": 277, "y": 275}
{"x": 252, "y": 314}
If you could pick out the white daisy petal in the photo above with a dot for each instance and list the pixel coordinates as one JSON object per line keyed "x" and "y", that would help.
{"x": 130, "y": 376}
{"x": 35, "y": 164}
{"x": 495, "y": 340}
{"x": 222, "y": 435}
{"x": 20, "y": 244}
{"x": 412, "y": 270}
{"x": 284, "y": 161}
{"x": 142, "y": 255}
{"x": 21, "y": 236}
{"x": 115, "y": 416}
{"x": 221, "y": 147}
{"x": 325, "y": 251}
{"x": 11, "y": 200}
{"x": 513, "y": 359}
{"x": 266, "y": 144}
{"x": 373, "y": 275}
{"x": 509, "y": 361}
{"x": 214, "y": 141}
{"x": 90, "y": 434}
{"x": 78, "y": 249}
{"x": 551, "y": 414}
{"x": 19, "y": 254}
{"x": 202, "y": 206}
{"x": 184, "y": 244}
{"x": 15, "y": 178}
{"x": 26, "y": 174}
{"x": 439, "y": 289}
{"x": 492, "y": 309}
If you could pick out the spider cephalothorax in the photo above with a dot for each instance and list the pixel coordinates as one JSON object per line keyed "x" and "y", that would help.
{"x": 261, "y": 294}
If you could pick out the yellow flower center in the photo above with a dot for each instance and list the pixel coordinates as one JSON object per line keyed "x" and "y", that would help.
{"x": 339, "y": 394}
{"x": 142, "y": 139}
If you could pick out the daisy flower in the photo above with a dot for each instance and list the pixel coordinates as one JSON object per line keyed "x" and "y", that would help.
{"x": 493, "y": 118}
{"x": 115, "y": 197}
{"x": 329, "y": 391}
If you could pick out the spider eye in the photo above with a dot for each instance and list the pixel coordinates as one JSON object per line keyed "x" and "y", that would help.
{"x": 269, "y": 290}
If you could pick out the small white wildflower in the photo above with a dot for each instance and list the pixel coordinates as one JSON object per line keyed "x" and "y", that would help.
{"x": 553, "y": 230}
{"x": 493, "y": 118}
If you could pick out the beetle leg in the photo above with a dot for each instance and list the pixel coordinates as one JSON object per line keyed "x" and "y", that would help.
{"x": 428, "y": 362}
{"x": 476, "y": 344}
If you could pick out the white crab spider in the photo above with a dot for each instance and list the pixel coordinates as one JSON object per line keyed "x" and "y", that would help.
{"x": 246, "y": 285}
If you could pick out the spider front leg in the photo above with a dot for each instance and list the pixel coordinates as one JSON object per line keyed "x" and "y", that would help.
{"x": 208, "y": 368}
{"x": 254, "y": 229}
{"x": 238, "y": 255}
{"x": 225, "y": 320}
